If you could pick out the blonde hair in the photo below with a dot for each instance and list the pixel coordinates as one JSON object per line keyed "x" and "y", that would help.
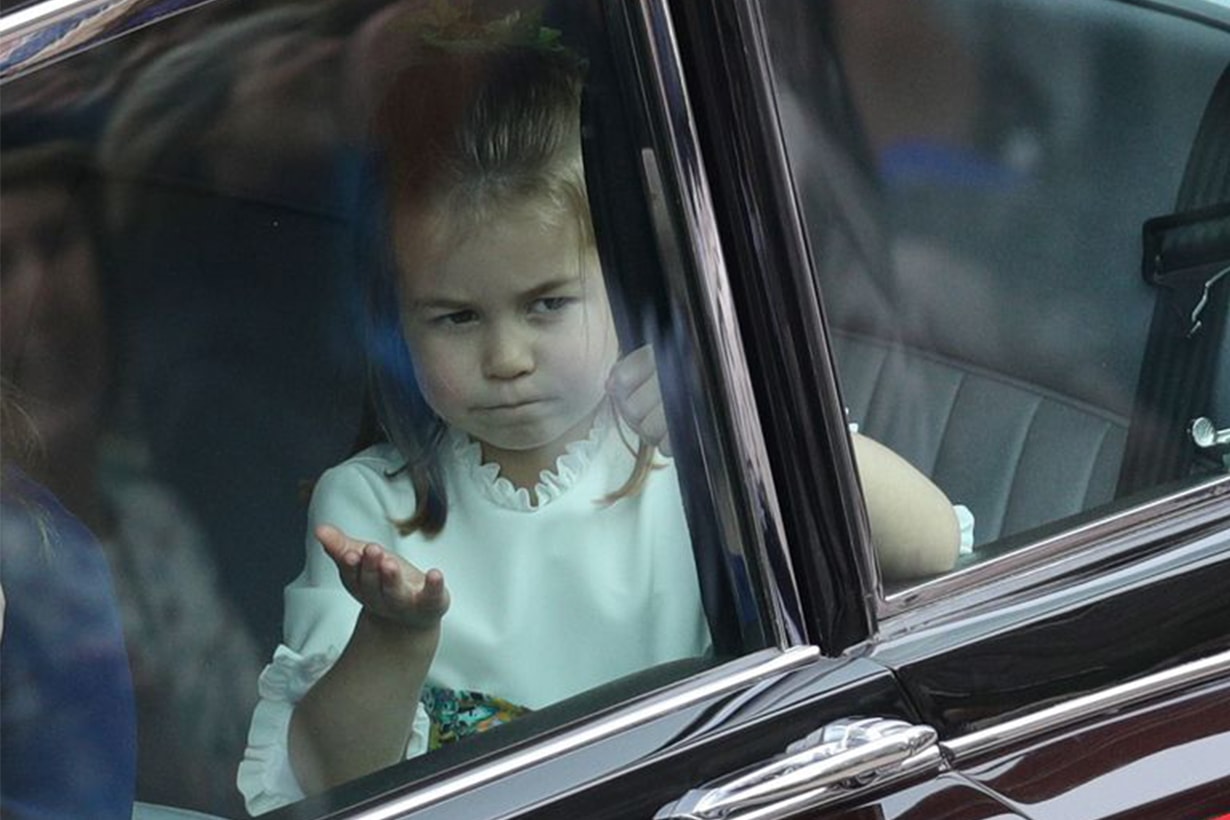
{"x": 464, "y": 131}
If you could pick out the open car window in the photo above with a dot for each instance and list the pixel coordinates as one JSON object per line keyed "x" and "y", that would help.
{"x": 976, "y": 179}
{"x": 196, "y": 335}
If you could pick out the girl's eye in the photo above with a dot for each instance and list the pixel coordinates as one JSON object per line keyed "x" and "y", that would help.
{"x": 550, "y": 304}
{"x": 457, "y": 317}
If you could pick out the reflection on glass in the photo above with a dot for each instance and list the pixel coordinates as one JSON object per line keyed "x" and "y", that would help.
{"x": 191, "y": 657}
{"x": 67, "y": 745}
{"x": 232, "y": 247}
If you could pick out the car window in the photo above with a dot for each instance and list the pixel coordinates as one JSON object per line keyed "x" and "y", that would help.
{"x": 282, "y": 275}
{"x": 976, "y": 178}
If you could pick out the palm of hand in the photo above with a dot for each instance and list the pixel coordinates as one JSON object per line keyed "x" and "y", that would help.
{"x": 387, "y": 585}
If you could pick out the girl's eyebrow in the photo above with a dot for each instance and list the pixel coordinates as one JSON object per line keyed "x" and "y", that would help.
{"x": 448, "y": 303}
{"x": 440, "y": 303}
{"x": 548, "y": 286}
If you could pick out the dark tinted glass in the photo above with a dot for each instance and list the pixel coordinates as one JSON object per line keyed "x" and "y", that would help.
{"x": 213, "y": 293}
{"x": 976, "y": 178}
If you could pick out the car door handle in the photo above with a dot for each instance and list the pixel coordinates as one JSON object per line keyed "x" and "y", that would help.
{"x": 831, "y": 762}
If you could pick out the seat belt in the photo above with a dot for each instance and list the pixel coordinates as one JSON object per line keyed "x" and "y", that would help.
{"x": 1186, "y": 255}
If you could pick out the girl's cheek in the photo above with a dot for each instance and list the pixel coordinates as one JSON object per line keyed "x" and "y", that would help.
{"x": 438, "y": 371}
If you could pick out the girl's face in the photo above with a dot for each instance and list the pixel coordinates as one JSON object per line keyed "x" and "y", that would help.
{"x": 510, "y": 333}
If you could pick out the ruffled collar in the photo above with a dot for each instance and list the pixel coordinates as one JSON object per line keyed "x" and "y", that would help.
{"x": 569, "y": 467}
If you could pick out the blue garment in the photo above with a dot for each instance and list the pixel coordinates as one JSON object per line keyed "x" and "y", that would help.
{"x": 67, "y": 726}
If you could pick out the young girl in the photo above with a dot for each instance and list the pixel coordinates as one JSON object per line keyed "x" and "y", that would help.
{"x": 555, "y": 563}
{"x": 506, "y": 548}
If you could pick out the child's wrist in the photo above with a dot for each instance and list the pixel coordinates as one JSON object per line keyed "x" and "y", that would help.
{"x": 386, "y": 629}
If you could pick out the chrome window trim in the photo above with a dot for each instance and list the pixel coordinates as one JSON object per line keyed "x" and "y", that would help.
{"x": 668, "y": 92}
{"x": 711, "y": 684}
{"x": 1185, "y": 676}
{"x": 27, "y": 22}
{"x": 1177, "y": 517}
{"x": 24, "y": 20}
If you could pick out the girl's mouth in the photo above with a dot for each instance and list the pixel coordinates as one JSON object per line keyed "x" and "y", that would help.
{"x": 512, "y": 406}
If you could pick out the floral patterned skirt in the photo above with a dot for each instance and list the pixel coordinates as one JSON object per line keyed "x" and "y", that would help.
{"x": 456, "y": 714}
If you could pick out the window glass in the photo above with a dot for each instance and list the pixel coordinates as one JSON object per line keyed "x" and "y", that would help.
{"x": 976, "y": 178}
{"x": 282, "y": 275}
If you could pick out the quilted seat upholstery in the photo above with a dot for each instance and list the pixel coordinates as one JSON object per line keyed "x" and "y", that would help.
{"x": 1018, "y": 455}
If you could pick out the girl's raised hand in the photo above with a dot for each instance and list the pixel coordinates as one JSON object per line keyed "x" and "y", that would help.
{"x": 633, "y": 385}
{"x": 387, "y": 585}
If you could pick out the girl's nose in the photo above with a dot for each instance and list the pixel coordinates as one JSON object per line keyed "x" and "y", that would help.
{"x": 508, "y": 353}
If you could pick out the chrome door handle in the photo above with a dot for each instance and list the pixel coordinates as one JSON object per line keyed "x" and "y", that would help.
{"x": 831, "y": 762}
{"x": 1205, "y": 435}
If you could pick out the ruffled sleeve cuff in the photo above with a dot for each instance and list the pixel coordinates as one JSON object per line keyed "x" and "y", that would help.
{"x": 420, "y": 734}
{"x": 965, "y": 520}
{"x": 265, "y": 777}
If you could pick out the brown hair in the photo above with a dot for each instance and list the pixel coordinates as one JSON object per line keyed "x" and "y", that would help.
{"x": 469, "y": 126}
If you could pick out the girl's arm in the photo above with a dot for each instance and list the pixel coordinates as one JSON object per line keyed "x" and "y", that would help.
{"x": 358, "y": 717}
{"x": 913, "y": 524}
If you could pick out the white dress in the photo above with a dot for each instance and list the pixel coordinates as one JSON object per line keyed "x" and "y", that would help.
{"x": 548, "y": 599}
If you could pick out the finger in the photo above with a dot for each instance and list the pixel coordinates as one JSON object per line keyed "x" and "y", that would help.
{"x": 391, "y": 580}
{"x": 367, "y": 574}
{"x": 339, "y": 546}
{"x": 641, "y": 404}
{"x": 331, "y": 538}
{"x": 631, "y": 372}
{"x": 635, "y": 407}
{"x": 433, "y": 585}
{"x": 654, "y": 430}
{"x": 424, "y": 598}
{"x": 434, "y": 596}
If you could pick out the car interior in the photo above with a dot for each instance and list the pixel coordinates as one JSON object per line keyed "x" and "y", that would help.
{"x": 1001, "y": 344}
